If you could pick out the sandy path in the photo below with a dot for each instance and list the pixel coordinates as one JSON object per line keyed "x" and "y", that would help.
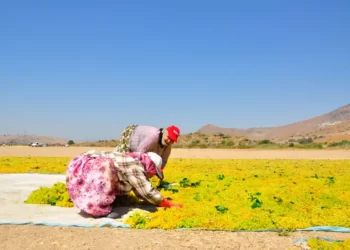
{"x": 40, "y": 238}
{"x": 190, "y": 153}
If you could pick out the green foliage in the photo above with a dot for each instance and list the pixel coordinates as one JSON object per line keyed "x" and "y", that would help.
{"x": 220, "y": 177}
{"x": 321, "y": 243}
{"x": 225, "y": 143}
{"x": 57, "y": 195}
{"x": 173, "y": 190}
{"x": 285, "y": 233}
{"x": 188, "y": 223}
{"x": 330, "y": 181}
{"x": 282, "y": 194}
{"x": 256, "y": 202}
{"x": 195, "y": 142}
{"x": 305, "y": 140}
{"x": 341, "y": 144}
{"x": 265, "y": 142}
{"x": 70, "y": 142}
{"x": 221, "y": 209}
{"x": 138, "y": 219}
{"x": 310, "y": 146}
{"x": 185, "y": 182}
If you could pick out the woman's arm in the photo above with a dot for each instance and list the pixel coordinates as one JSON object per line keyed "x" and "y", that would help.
{"x": 143, "y": 189}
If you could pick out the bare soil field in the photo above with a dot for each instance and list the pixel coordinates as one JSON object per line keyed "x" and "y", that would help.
{"x": 190, "y": 153}
{"x": 43, "y": 237}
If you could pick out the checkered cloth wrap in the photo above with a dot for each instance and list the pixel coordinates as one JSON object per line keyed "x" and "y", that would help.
{"x": 131, "y": 175}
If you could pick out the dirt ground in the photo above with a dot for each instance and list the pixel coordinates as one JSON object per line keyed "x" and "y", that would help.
{"x": 43, "y": 237}
{"x": 190, "y": 153}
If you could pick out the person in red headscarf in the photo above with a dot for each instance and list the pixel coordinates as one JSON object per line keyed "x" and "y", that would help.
{"x": 143, "y": 139}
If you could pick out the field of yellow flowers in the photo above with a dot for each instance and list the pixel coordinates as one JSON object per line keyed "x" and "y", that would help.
{"x": 232, "y": 194}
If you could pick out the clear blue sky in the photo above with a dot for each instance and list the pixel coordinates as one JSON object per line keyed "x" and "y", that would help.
{"x": 84, "y": 70}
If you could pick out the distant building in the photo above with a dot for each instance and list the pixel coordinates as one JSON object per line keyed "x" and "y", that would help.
{"x": 37, "y": 144}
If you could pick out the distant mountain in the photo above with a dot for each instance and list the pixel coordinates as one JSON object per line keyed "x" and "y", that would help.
{"x": 334, "y": 123}
{"x": 28, "y": 139}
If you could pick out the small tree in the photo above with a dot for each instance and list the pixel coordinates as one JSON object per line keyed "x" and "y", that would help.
{"x": 305, "y": 140}
{"x": 70, "y": 142}
{"x": 264, "y": 142}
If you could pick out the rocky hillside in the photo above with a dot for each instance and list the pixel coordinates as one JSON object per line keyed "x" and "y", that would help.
{"x": 28, "y": 139}
{"x": 334, "y": 123}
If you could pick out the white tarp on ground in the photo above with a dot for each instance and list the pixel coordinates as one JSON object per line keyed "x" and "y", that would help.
{"x": 15, "y": 189}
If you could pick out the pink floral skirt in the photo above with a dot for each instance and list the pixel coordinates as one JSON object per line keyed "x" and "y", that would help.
{"x": 91, "y": 184}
